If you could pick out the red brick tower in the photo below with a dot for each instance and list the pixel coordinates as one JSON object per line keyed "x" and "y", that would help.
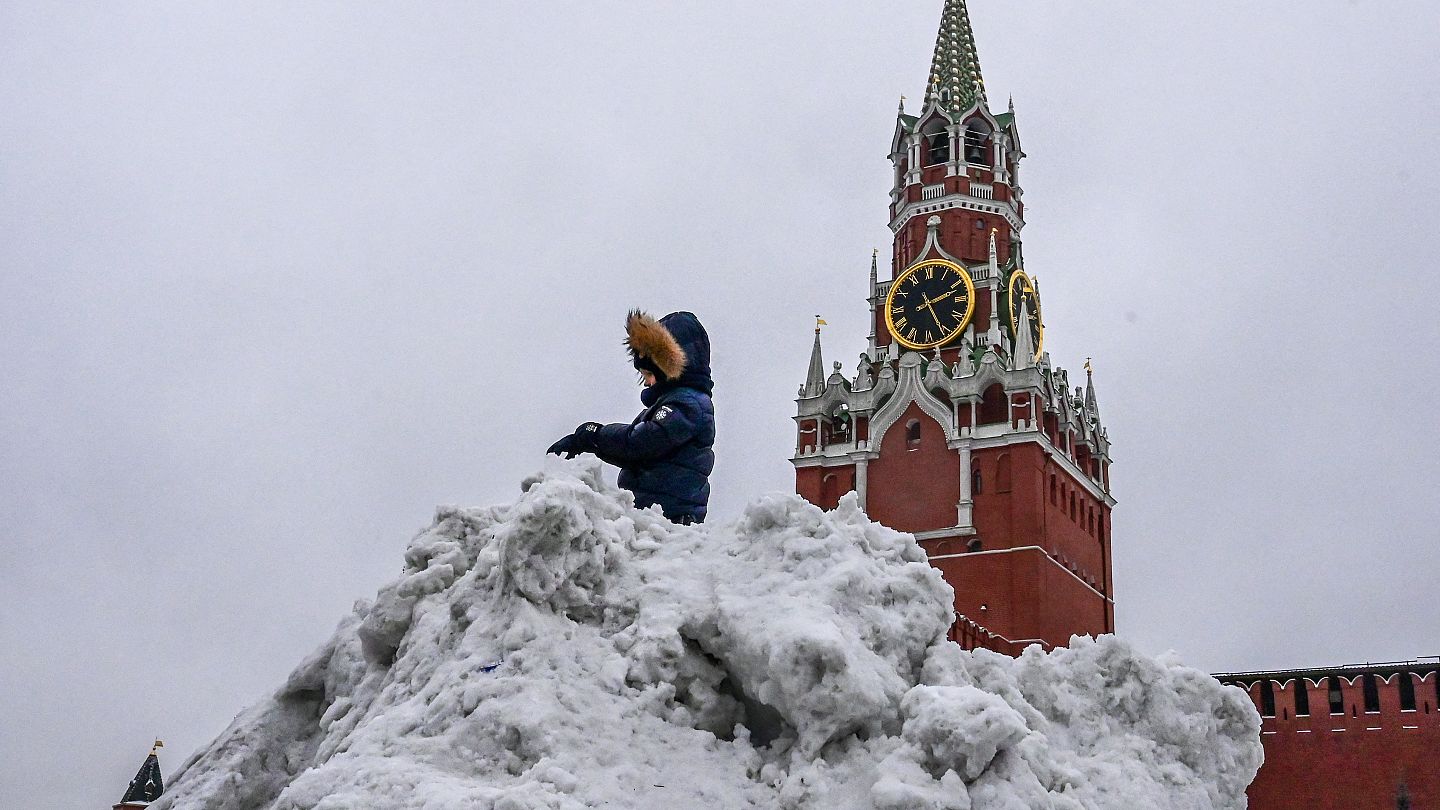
{"x": 956, "y": 426}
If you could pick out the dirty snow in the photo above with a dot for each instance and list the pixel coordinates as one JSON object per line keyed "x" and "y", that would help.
{"x": 568, "y": 651}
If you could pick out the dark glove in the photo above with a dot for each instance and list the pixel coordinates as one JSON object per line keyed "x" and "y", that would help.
{"x": 581, "y": 441}
{"x": 565, "y": 447}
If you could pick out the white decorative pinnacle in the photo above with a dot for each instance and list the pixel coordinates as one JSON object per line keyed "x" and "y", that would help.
{"x": 1024, "y": 355}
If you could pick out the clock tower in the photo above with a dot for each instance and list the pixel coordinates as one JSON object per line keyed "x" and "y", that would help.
{"x": 956, "y": 426}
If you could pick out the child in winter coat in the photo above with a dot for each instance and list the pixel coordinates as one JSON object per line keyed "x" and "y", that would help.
{"x": 666, "y": 454}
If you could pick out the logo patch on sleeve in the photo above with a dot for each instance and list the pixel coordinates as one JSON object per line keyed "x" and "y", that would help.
{"x": 664, "y": 411}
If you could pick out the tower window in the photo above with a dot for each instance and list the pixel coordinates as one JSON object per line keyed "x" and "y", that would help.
{"x": 1072, "y": 505}
{"x": 1337, "y": 697}
{"x": 1407, "y": 692}
{"x": 830, "y": 491}
{"x": 994, "y": 405}
{"x": 1267, "y": 699}
{"x": 936, "y": 143}
{"x": 912, "y": 434}
{"x": 1371, "y": 694}
{"x": 1302, "y": 698}
{"x": 976, "y": 481}
{"x": 1053, "y": 495}
{"x": 977, "y": 142}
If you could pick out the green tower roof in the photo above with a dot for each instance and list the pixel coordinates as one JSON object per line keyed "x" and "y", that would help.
{"x": 955, "y": 79}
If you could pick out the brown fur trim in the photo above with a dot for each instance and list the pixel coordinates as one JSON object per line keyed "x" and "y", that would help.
{"x": 646, "y": 337}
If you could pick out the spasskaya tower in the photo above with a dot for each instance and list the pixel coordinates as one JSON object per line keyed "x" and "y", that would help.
{"x": 956, "y": 425}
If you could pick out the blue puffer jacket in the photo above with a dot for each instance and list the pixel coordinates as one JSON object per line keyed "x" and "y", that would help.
{"x": 667, "y": 453}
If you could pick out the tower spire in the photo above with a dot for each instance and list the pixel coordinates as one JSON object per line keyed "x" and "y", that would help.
{"x": 1092, "y": 404}
{"x": 955, "y": 79}
{"x": 147, "y": 785}
{"x": 1024, "y": 355}
{"x": 815, "y": 378}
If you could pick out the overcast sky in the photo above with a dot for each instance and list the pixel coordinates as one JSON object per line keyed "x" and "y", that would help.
{"x": 278, "y": 278}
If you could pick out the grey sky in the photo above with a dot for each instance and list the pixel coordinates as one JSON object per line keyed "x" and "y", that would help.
{"x": 277, "y": 278}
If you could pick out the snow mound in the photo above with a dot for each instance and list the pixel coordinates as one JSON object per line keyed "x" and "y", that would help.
{"x": 569, "y": 651}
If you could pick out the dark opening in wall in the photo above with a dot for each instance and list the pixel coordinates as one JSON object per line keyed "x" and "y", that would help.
{"x": 1407, "y": 691}
{"x": 912, "y": 434}
{"x": 1302, "y": 698}
{"x": 1371, "y": 694}
{"x": 1267, "y": 698}
{"x": 977, "y": 143}
{"x": 937, "y": 143}
{"x": 1337, "y": 697}
{"x": 994, "y": 405}
{"x": 976, "y": 482}
{"x": 1053, "y": 490}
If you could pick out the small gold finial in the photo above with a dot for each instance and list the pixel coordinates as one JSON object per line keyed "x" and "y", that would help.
{"x": 819, "y": 322}
{"x": 1089, "y": 369}
{"x": 158, "y": 745}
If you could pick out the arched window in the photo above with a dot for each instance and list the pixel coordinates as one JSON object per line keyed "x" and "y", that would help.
{"x": 976, "y": 480}
{"x": 830, "y": 491}
{"x": 977, "y": 142}
{"x": 937, "y": 143}
{"x": 1072, "y": 505}
{"x": 1302, "y": 698}
{"x": 912, "y": 434}
{"x": 994, "y": 405}
{"x": 1267, "y": 699}
{"x": 1337, "y": 697}
{"x": 1002, "y": 473}
{"x": 1053, "y": 494}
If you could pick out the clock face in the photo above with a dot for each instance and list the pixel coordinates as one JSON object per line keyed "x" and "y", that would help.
{"x": 1022, "y": 289}
{"x": 930, "y": 304}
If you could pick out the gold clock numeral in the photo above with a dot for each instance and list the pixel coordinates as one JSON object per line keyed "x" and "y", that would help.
{"x": 901, "y": 323}
{"x": 898, "y": 310}
{"x": 929, "y": 272}
{"x": 929, "y": 337}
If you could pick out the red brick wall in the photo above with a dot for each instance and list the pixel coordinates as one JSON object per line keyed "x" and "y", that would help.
{"x": 1350, "y": 761}
{"x": 914, "y": 490}
{"x": 1023, "y": 595}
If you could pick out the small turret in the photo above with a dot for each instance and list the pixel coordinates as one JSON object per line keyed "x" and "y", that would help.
{"x": 147, "y": 785}
{"x": 1024, "y": 354}
{"x": 815, "y": 378}
{"x": 1091, "y": 403}
{"x": 994, "y": 331}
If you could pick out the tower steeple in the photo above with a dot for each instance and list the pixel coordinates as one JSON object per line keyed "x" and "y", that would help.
{"x": 1024, "y": 354}
{"x": 967, "y": 438}
{"x": 815, "y": 378}
{"x": 147, "y": 785}
{"x": 955, "y": 79}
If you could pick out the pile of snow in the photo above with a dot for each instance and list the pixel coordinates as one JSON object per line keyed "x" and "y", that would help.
{"x": 569, "y": 651}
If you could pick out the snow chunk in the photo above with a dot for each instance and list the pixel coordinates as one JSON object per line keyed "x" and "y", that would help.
{"x": 570, "y": 651}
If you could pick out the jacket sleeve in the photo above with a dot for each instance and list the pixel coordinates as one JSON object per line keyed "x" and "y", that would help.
{"x": 672, "y": 425}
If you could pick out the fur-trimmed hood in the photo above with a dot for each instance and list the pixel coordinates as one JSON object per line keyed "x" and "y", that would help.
{"x": 676, "y": 346}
